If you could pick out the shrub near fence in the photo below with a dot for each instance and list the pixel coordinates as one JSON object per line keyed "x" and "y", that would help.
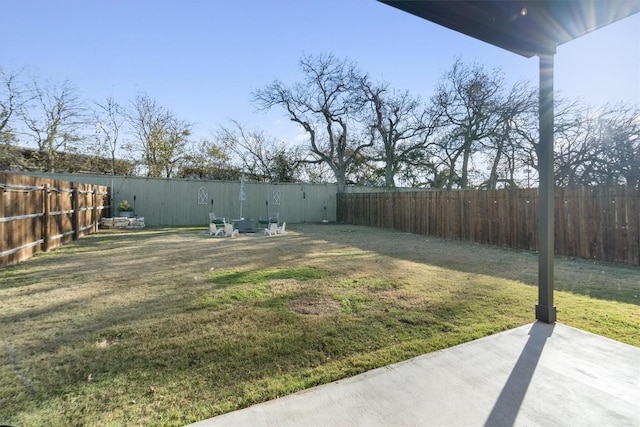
{"x": 40, "y": 214}
{"x": 601, "y": 223}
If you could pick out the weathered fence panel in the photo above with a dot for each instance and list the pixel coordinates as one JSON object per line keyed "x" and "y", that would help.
{"x": 40, "y": 214}
{"x": 601, "y": 223}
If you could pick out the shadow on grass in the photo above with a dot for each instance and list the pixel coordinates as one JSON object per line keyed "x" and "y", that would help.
{"x": 584, "y": 277}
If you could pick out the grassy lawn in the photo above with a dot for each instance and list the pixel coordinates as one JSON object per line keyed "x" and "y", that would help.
{"x": 169, "y": 326}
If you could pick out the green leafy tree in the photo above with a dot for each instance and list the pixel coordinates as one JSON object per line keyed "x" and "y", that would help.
{"x": 207, "y": 160}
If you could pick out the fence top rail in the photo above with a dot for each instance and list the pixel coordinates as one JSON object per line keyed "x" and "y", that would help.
{"x": 19, "y": 217}
{"x": 12, "y": 187}
{"x": 25, "y": 188}
{"x": 62, "y": 190}
{"x": 93, "y": 191}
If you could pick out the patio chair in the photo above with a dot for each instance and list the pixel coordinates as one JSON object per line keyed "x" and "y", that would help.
{"x": 272, "y": 230}
{"x": 282, "y": 229}
{"x": 229, "y": 231}
{"x": 216, "y": 227}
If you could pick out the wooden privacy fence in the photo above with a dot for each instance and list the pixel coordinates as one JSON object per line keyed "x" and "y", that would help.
{"x": 601, "y": 223}
{"x": 39, "y": 214}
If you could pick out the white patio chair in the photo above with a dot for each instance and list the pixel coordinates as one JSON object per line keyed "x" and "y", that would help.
{"x": 216, "y": 227}
{"x": 282, "y": 229}
{"x": 272, "y": 230}
{"x": 229, "y": 231}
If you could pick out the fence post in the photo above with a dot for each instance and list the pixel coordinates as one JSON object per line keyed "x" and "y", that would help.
{"x": 75, "y": 215}
{"x": 108, "y": 200}
{"x": 94, "y": 211}
{"x": 46, "y": 231}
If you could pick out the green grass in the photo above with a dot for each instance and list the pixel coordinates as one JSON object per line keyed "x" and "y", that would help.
{"x": 167, "y": 326}
{"x": 264, "y": 276}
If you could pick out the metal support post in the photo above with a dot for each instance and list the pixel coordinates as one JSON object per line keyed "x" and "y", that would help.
{"x": 545, "y": 310}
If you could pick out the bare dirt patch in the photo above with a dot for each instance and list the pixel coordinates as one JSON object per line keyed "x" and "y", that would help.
{"x": 105, "y": 343}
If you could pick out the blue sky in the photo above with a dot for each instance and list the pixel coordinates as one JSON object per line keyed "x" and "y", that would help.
{"x": 202, "y": 58}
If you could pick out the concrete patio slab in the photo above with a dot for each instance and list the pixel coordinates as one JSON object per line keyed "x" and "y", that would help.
{"x": 537, "y": 374}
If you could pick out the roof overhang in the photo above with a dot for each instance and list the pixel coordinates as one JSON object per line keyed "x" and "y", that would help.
{"x": 525, "y": 27}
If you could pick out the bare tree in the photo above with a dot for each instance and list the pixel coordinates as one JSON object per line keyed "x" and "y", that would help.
{"x": 159, "y": 137}
{"x": 326, "y": 104}
{"x": 621, "y": 163}
{"x": 466, "y": 98}
{"x": 54, "y": 119}
{"x": 13, "y": 96}
{"x": 599, "y": 146}
{"x": 173, "y": 151}
{"x": 502, "y": 146}
{"x": 576, "y": 149}
{"x": 109, "y": 120}
{"x": 424, "y": 169}
{"x": 261, "y": 157}
{"x": 12, "y": 99}
{"x": 592, "y": 146}
{"x": 524, "y": 136}
{"x": 403, "y": 126}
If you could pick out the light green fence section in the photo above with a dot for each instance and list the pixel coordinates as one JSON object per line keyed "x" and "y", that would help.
{"x": 164, "y": 202}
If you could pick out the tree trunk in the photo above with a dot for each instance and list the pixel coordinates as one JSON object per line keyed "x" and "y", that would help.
{"x": 342, "y": 182}
{"x": 464, "y": 174}
{"x": 389, "y": 180}
{"x": 493, "y": 176}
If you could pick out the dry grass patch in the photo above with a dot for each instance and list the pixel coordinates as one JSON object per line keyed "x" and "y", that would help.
{"x": 315, "y": 305}
{"x": 169, "y": 326}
